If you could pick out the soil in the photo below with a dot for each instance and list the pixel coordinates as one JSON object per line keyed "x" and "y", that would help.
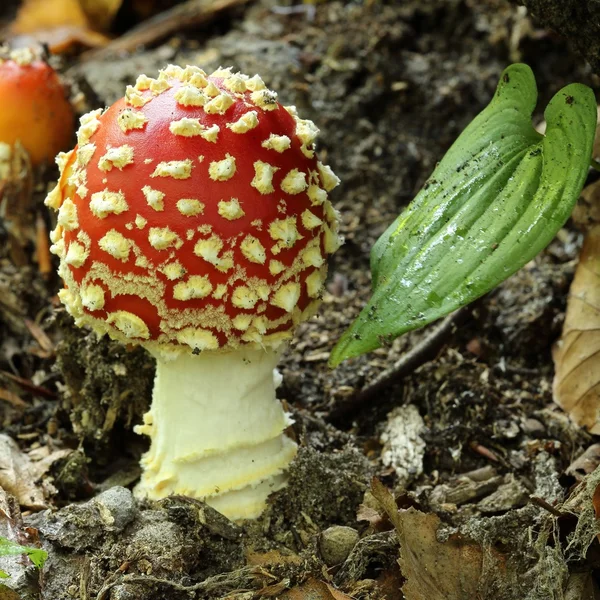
{"x": 390, "y": 85}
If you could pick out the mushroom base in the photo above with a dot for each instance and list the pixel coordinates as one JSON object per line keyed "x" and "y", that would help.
{"x": 217, "y": 431}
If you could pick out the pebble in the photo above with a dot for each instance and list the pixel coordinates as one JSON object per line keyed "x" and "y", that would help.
{"x": 336, "y": 543}
{"x": 117, "y": 507}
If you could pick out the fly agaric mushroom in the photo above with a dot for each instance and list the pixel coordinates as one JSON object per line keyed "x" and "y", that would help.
{"x": 34, "y": 108}
{"x": 193, "y": 219}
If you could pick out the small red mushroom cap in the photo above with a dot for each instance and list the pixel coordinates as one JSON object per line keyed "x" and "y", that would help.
{"x": 194, "y": 213}
{"x": 34, "y": 108}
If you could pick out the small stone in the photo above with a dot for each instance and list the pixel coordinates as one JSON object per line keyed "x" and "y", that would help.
{"x": 533, "y": 427}
{"x": 336, "y": 543}
{"x": 117, "y": 507}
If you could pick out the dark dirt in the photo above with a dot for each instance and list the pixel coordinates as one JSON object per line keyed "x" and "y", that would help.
{"x": 390, "y": 85}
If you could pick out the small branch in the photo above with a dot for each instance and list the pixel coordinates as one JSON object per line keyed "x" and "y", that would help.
{"x": 546, "y": 506}
{"x": 188, "y": 15}
{"x": 246, "y": 578}
{"x": 423, "y": 352}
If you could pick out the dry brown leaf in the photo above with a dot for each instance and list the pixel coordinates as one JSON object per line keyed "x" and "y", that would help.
{"x": 60, "y": 24}
{"x": 19, "y": 474}
{"x": 576, "y": 355}
{"x": 314, "y": 589}
{"x": 371, "y": 515}
{"x": 585, "y": 464}
{"x": 387, "y": 502}
{"x": 435, "y": 570}
{"x": 35, "y": 15}
{"x": 586, "y": 213}
{"x": 5, "y": 508}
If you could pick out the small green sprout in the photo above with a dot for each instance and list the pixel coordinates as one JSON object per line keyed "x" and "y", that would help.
{"x": 36, "y": 555}
{"x": 497, "y": 198}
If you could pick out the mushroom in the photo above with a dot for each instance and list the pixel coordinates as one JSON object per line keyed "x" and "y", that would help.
{"x": 35, "y": 110}
{"x": 194, "y": 220}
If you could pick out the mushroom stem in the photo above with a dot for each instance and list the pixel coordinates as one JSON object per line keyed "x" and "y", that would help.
{"x": 217, "y": 431}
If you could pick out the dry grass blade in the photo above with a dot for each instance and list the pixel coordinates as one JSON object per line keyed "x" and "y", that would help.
{"x": 40, "y": 335}
{"x": 577, "y": 353}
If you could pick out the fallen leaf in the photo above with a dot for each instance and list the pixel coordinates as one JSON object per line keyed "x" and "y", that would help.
{"x": 371, "y": 515}
{"x": 434, "y": 570}
{"x": 387, "y": 502}
{"x": 37, "y": 15}
{"x": 60, "y": 24}
{"x": 576, "y": 355}
{"x": 5, "y": 508}
{"x": 585, "y": 464}
{"x": 17, "y": 475}
{"x": 587, "y": 210}
{"x": 313, "y": 589}
{"x": 20, "y": 475}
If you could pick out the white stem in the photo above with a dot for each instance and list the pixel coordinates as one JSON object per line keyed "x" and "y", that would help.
{"x": 216, "y": 430}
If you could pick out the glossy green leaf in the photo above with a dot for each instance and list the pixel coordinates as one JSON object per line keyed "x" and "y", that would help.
{"x": 37, "y": 556}
{"x": 495, "y": 200}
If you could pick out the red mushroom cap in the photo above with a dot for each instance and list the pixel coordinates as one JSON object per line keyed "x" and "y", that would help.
{"x": 194, "y": 212}
{"x": 34, "y": 108}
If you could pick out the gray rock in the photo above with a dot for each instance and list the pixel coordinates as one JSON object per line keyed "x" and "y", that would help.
{"x": 81, "y": 526}
{"x": 117, "y": 508}
{"x": 336, "y": 543}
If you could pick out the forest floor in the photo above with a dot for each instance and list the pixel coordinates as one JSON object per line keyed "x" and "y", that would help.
{"x": 479, "y": 459}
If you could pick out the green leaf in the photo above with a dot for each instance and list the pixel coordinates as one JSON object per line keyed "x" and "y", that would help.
{"x": 495, "y": 200}
{"x": 36, "y": 555}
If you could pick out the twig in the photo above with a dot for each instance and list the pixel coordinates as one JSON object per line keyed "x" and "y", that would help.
{"x": 44, "y": 259}
{"x": 235, "y": 580}
{"x": 28, "y": 385}
{"x": 188, "y": 15}
{"x": 423, "y": 352}
{"x": 546, "y": 506}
